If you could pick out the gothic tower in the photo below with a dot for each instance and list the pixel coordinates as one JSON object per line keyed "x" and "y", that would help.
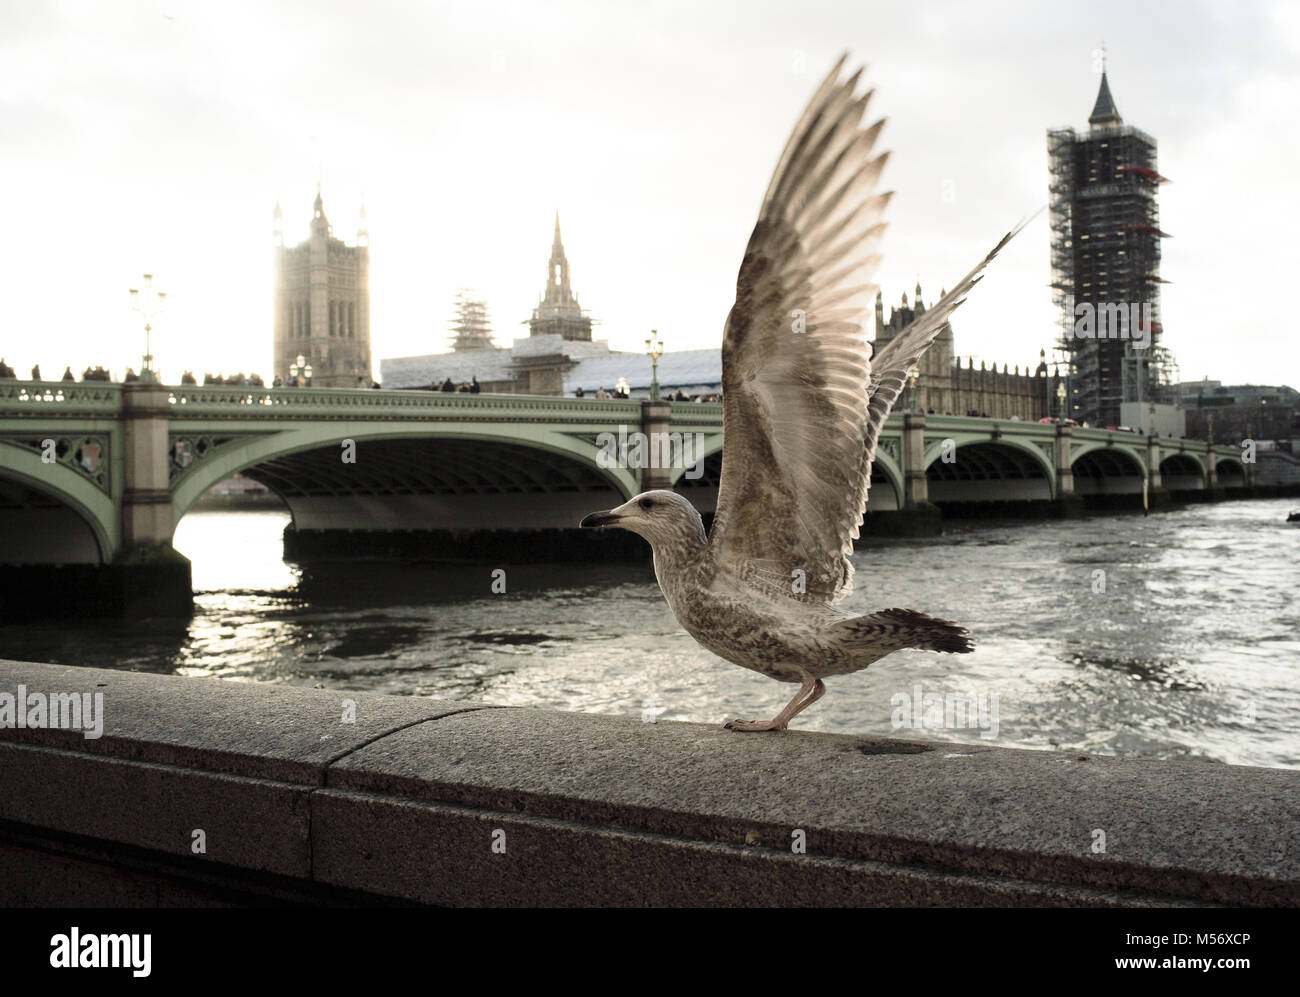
{"x": 322, "y": 304}
{"x": 558, "y": 312}
{"x": 936, "y": 363}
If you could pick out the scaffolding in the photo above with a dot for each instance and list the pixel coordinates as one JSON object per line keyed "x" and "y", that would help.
{"x": 1105, "y": 265}
{"x": 470, "y": 327}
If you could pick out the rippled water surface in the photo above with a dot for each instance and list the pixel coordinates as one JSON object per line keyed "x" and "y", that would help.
{"x": 1192, "y": 648}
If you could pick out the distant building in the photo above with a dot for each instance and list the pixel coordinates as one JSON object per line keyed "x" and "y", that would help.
{"x": 322, "y": 304}
{"x": 558, "y": 312}
{"x": 1230, "y": 414}
{"x": 559, "y": 357}
{"x": 945, "y": 387}
{"x": 1105, "y": 256}
{"x": 470, "y": 328}
{"x": 549, "y": 365}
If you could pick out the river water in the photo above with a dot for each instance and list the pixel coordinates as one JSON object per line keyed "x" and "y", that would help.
{"x": 1168, "y": 636}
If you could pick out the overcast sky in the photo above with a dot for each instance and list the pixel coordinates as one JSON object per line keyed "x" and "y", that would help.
{"x": 158, "y": 137}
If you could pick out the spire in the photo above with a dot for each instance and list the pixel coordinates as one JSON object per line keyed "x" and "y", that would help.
{"x": 277, "y": 225}
{"x": 558, "y": 291}
{"x": 363, "y": 228}
{"x": 558, "y": 311}
{"x": 320, "y": 225}
{"x": 1104, "y": 111}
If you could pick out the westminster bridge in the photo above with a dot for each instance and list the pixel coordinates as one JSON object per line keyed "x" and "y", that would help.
{"x": 98, "y": 473}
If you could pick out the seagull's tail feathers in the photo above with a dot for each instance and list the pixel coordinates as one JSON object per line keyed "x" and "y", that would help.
{"x": 894, "y": 629}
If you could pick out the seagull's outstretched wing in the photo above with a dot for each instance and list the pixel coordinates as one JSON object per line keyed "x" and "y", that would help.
{"x": 795, "y": 372}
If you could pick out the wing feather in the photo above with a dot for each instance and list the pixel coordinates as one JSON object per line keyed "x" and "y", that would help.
{"x": 795, "y": 357}
{"x": 803, "y": 405}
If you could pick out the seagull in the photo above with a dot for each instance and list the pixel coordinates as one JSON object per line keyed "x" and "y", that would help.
{"x": 803, "y": 405}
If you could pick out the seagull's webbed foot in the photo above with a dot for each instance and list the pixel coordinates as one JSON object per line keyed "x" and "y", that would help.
{"x": 746, "y": 725}
{"x": 810, "y": 690}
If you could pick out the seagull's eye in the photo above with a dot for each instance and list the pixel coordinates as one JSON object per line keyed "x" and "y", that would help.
{"x": 646, "y": 503}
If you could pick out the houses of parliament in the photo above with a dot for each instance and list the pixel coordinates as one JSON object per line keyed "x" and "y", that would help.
{"x": 944, "y": 387}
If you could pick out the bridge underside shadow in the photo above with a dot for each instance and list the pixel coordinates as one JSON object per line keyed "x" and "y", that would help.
{"x": 1109, "y": 478}
{"x": 36, "y": 528}
{"x": 55, "y": 564}
{"x": 443, "y": 499}
{"x": 1181, "y": 474}
{"x": 1230, "y": 474}
{"x": 987, "y": 479}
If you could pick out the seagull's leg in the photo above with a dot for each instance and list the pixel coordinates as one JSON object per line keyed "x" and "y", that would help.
{"x": 810, "y": 690}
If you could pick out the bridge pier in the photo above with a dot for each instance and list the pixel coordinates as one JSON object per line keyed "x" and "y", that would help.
{"x": 919, "y": 517}
{"x": 1067, "y": 503}
{"x": 147, "y": 499}
{"x": 1214, "y": 492}
{"x": 148, "y": 577}
{"x": 916, "y": 487}
{"x": 1158, "y": 497}
{"x": 656, "y": 417}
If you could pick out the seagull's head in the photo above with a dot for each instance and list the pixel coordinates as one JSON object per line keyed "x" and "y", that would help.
{"x": 662, "y": 517}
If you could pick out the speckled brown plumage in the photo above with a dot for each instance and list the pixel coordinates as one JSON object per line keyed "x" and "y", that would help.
{"x": 803, "y": 406}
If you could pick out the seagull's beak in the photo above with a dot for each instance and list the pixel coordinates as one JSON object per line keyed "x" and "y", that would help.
{"x": 598, "y": 519}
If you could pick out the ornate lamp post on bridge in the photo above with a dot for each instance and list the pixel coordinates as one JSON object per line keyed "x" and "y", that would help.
{"x": 654, "y": 349}
{"x": 301, "y": 367}
{"x": 148, "y": 304}
{"x": 913, "y": 376}
{"x": 1060, "y": 401}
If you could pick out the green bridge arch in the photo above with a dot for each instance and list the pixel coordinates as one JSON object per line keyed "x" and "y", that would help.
{"x": 1028, "y": 449}
{"x": 245, "y": 454}
{"x": 1136, "y": 455}
{"x": 95, "y": 507}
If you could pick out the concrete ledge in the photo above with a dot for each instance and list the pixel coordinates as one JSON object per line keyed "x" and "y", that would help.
{"x": 414, "y": 801}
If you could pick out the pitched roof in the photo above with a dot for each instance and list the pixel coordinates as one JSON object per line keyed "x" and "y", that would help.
{"x": 700, "y": 370}
{"x": 594, "y": 366}
{"x": 1104, "y": 111}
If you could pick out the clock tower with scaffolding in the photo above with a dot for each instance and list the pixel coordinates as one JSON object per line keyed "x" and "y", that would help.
{"x": 1105, "y": 258}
